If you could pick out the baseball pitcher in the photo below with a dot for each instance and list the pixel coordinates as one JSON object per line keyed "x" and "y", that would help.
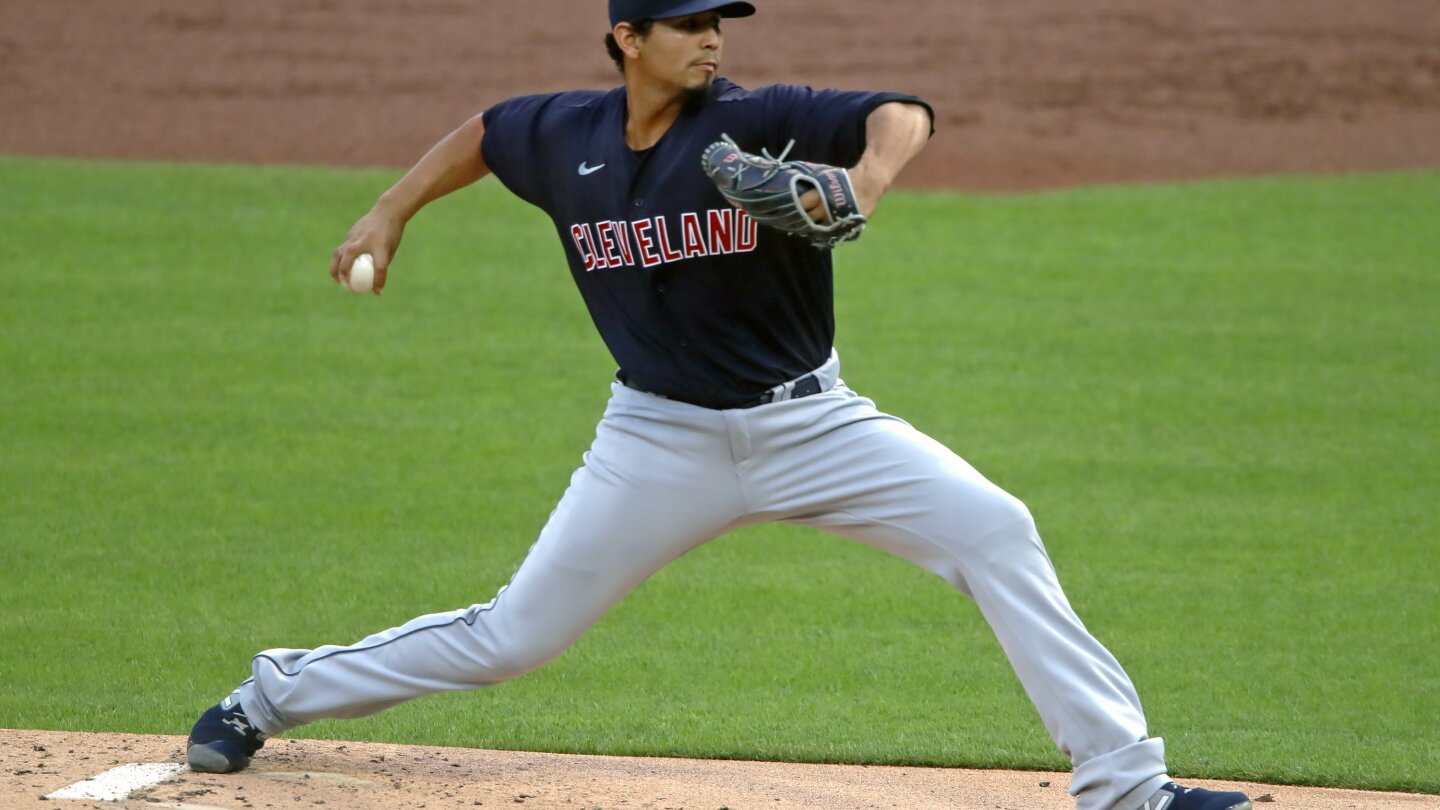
{"x": 698, "y": 219}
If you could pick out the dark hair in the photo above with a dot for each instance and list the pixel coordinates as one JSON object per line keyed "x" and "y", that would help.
{"x": 642, "y": 27}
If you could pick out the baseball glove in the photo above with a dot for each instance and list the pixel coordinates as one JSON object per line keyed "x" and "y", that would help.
{"x": 769, "y": 188}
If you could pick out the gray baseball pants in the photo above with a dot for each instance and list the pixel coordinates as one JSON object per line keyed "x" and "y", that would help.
{"x": 663, "y": 477}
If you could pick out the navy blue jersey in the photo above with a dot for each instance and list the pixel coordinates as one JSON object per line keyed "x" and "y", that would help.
{"x": 693, "y": 299}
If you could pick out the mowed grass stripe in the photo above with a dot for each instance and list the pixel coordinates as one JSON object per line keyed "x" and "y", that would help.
{"x": 1217, "y": 398}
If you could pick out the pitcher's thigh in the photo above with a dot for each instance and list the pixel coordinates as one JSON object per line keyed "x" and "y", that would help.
{"x": 911, "y": 496}
{"x": 602, "y": 541}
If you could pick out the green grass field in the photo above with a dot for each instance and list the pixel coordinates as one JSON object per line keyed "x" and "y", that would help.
{"x": 1218, "y": 399}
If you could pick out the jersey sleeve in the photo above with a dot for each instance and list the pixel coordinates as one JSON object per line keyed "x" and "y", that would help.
{"x": 511, "y": 145}
{"x": 828, "y": 125}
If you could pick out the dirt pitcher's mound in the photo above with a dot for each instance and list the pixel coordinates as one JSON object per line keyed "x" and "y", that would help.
{"x": 311, "y": 773}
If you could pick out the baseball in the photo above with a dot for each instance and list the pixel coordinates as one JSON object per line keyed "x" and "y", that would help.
{"x": 362, "y": 274}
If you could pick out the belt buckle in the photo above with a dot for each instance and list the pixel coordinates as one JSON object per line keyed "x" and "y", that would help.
{"x": 808, "y": 385}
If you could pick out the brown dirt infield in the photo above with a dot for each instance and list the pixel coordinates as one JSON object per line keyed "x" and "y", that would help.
{"x": 1029, "y": 94}
{"x": 360, "y": 776}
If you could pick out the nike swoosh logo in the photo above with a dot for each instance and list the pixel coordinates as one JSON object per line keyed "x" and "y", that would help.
{"x": 584, "y": 170}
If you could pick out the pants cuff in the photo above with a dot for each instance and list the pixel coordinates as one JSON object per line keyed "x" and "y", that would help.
{"x": 1121, "y": 779}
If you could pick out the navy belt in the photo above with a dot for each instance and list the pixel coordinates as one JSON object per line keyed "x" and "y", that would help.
{"x": 818, "y": 381}
{"x": 806, "y": 386}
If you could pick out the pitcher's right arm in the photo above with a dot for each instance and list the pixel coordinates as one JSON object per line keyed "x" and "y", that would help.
{"x": 450, "y": 165}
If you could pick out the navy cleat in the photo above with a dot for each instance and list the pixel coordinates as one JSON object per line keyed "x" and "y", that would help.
{"x": 223, "y": 739}
{"x": 1174, "y": 797}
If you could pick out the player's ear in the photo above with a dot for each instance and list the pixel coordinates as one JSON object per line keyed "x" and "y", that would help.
{"x": 628, "y": 39}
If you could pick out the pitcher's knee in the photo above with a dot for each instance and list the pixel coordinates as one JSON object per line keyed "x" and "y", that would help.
{"x": 1012, "y": 512}
{"x": 505, "y": 660}
{"x": 492, "y": 643}
{"x": 975, "y": 521}
{"x": 496, "y": 657}
{"x": 1014, "y": 546}
{"x": 993, "y": 516}
{"x": 998, "y": 533}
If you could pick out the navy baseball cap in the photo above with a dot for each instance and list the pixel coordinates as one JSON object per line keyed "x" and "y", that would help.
{"x": 631, "y": 10}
